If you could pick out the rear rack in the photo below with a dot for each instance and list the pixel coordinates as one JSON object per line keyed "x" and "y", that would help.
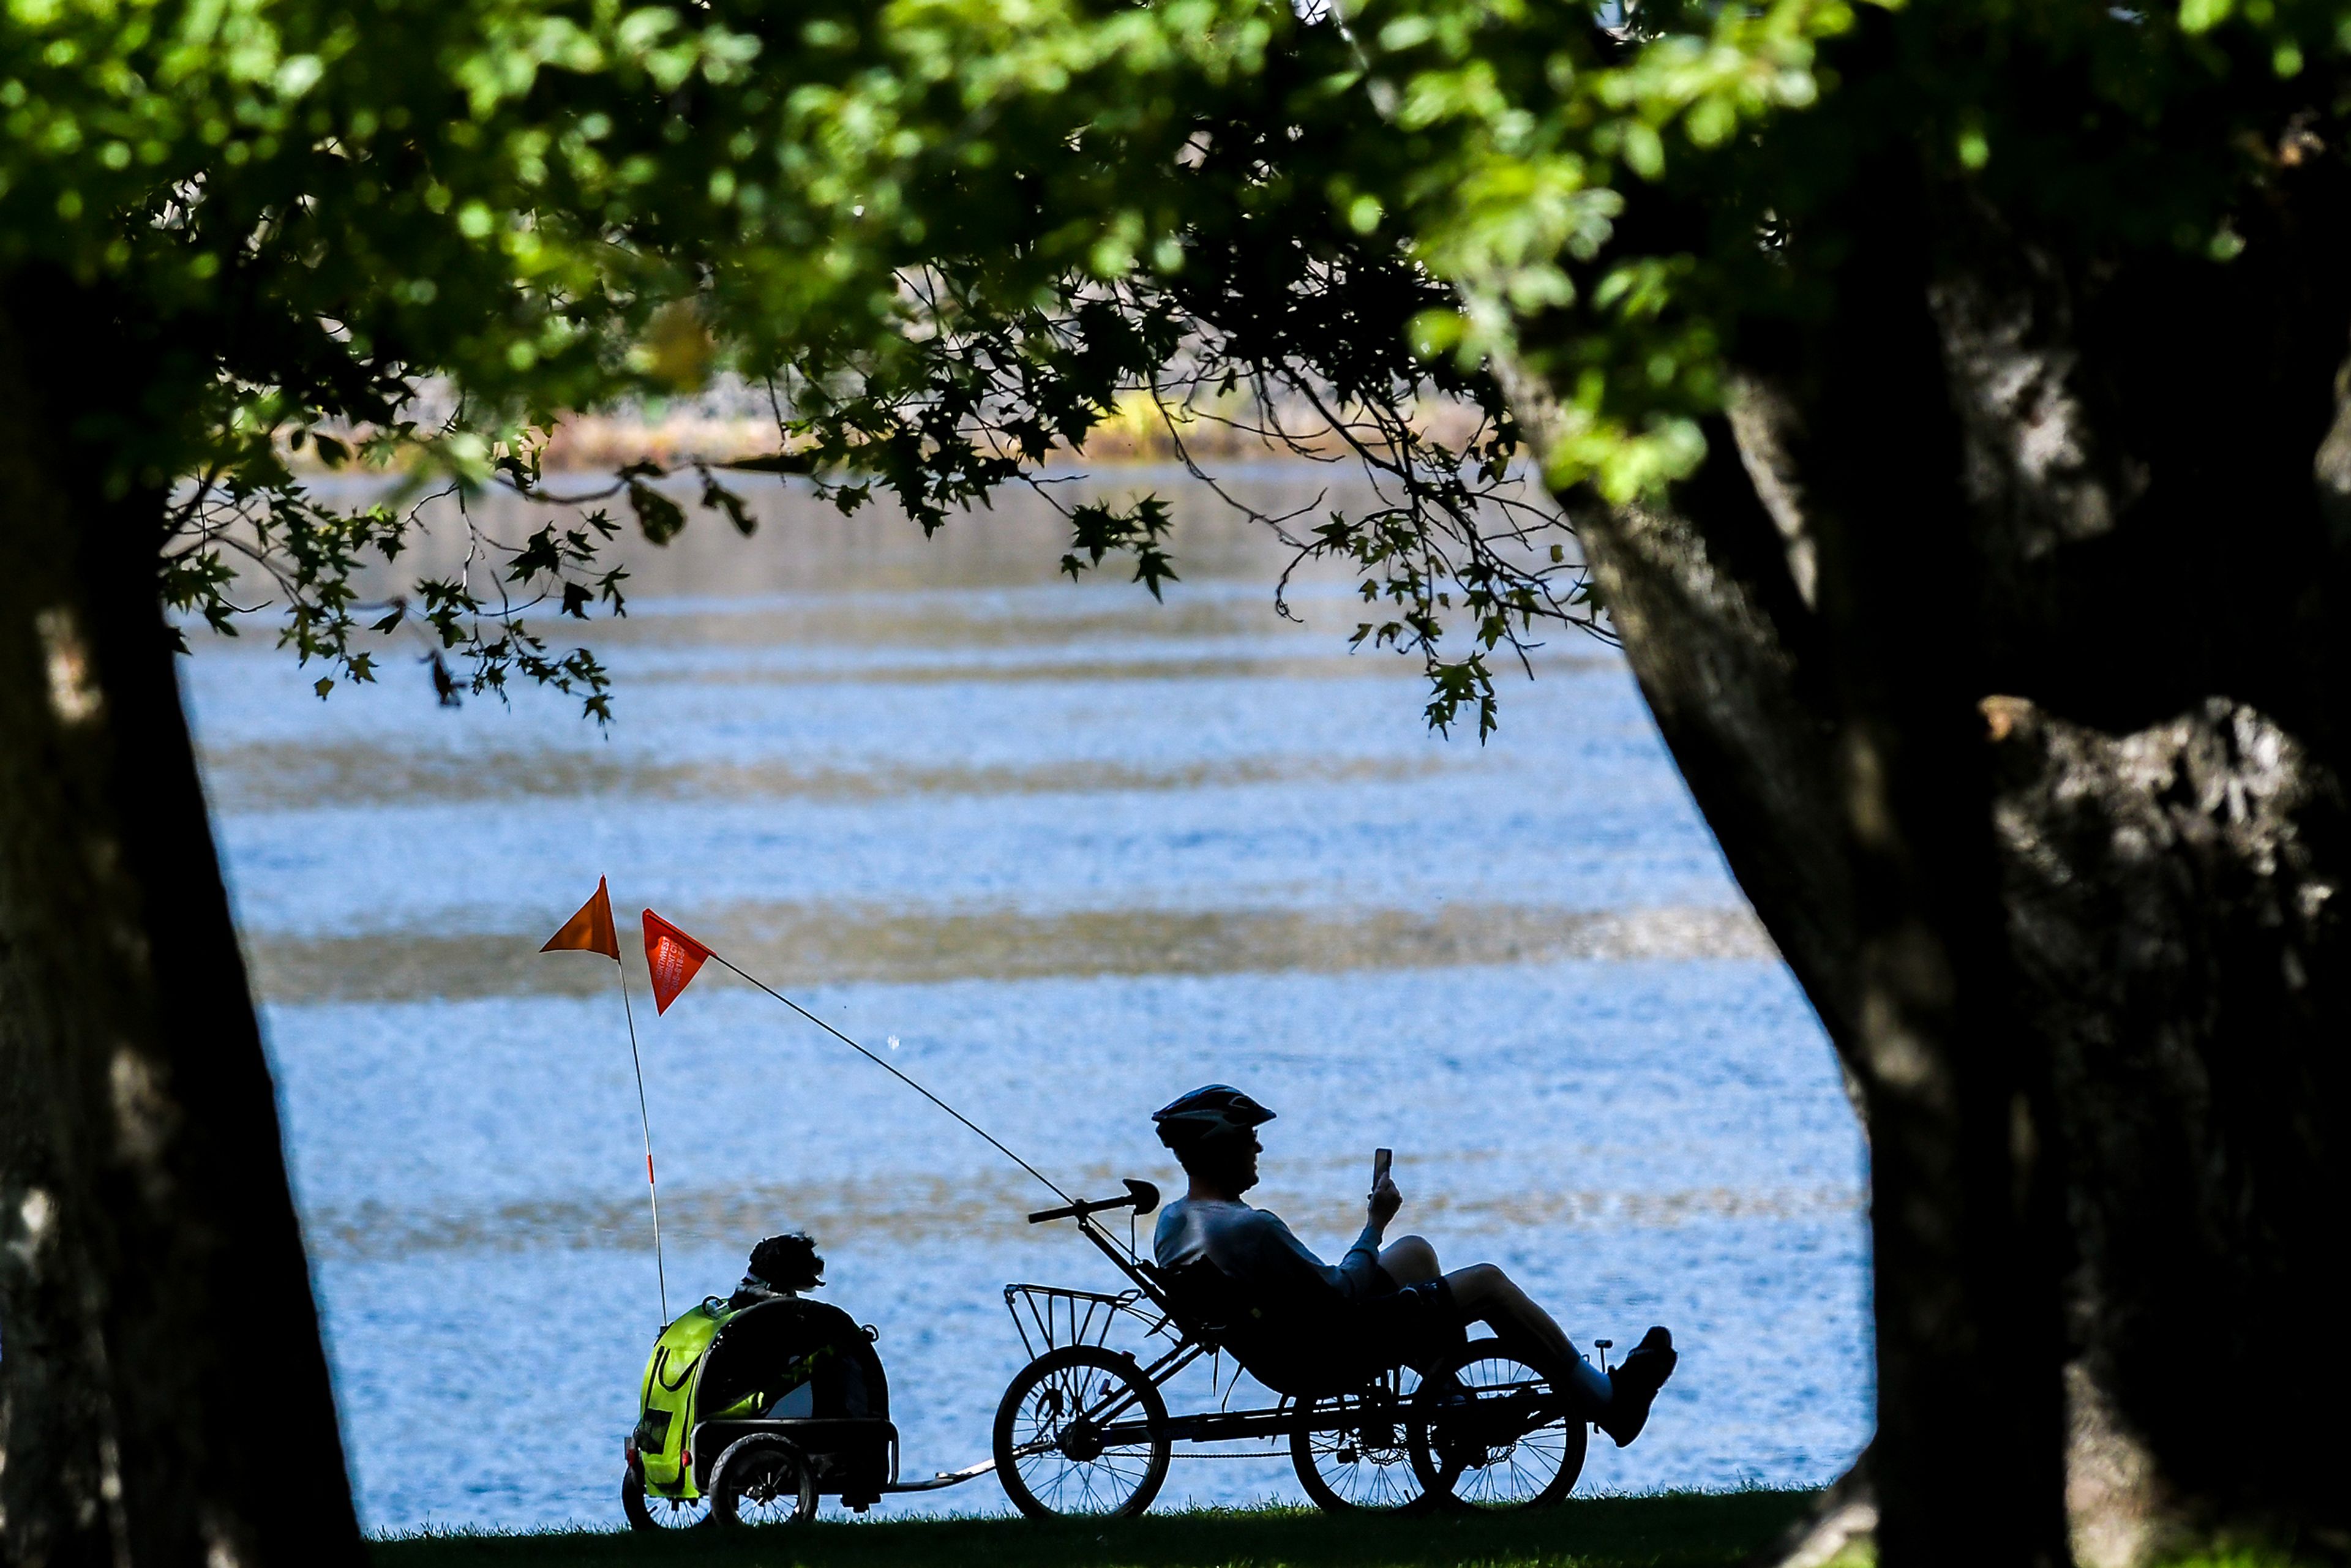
{"x": 1059, "y": 1317}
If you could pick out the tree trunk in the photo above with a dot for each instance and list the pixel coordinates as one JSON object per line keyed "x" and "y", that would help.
{"x": 164, "y": 1395}
{"x": 2003, "y": 641}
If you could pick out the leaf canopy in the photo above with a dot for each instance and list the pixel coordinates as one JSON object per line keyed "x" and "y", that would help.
{"x": 951, "y": 235}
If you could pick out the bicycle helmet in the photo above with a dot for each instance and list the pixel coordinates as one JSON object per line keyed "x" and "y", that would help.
{"x": 1211, "y": 1111}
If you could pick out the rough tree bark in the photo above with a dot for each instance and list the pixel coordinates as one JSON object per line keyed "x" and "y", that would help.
{"x": 164, "y": 1395}
{"x": 2003, "y": 640}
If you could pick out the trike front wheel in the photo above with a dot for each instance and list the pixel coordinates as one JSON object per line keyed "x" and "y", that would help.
{"x": 1490, "y": 1432}
{"x": 1082, "y": 1433}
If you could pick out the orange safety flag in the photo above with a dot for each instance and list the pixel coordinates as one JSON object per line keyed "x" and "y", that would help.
{"x": 590, "y": 930}
{"x": 673, "y": 958}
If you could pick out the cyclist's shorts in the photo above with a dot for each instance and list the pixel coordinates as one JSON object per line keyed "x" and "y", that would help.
{"x": 1417, "y": 1325}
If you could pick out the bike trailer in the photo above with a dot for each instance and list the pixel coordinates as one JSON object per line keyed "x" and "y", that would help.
{"x": 787, "y": 1366}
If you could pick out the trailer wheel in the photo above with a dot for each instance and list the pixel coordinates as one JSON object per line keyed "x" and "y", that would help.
{"x": 762, "y": 1479}
{"x": 652, "y": 1510}
{"x": 1082, "y": 1433}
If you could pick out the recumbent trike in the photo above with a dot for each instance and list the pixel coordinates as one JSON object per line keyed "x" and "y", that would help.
{"x": 1084, "y": 1429}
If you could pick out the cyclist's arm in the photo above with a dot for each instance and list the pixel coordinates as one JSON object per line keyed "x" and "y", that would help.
{"x": 1282, "y": 1254}
{"x": 1361, "y": 1266}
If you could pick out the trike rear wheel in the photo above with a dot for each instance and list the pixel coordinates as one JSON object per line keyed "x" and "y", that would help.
{"x": 1489, "y": 1432}
{"x": 1353, "y": 1451}
{"x": 1082, "y": 1433}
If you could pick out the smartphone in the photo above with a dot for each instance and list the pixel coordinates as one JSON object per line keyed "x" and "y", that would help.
{"x": 1381, "y": 1160}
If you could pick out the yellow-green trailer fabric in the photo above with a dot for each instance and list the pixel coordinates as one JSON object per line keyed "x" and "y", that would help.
{"x": 665, "y": 1403}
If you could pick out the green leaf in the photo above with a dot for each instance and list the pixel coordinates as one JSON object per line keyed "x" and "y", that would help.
{"x": 719, "y": 497}
{"x": 660, "y": 518}
{"x": 2203, "y": 15}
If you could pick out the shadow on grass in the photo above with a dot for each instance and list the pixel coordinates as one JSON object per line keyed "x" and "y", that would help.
{"x": 1697, "y": 1530}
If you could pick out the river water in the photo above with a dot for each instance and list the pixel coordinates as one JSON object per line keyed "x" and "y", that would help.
{"x": 1060, "y": 853}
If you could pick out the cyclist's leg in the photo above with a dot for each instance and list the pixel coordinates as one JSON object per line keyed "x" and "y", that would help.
{"x": 1485, "y": 1294}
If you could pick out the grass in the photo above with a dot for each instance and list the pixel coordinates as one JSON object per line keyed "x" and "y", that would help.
{"x": 1684, "y": 1530}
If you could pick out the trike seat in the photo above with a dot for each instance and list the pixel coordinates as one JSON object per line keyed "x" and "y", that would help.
{"x": 1302, "y": 1354}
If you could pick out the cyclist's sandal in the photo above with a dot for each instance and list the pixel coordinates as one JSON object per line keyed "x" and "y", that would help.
{"x": 1634, "y": 1384}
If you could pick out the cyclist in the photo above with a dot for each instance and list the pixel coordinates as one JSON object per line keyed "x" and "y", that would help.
{"x": 1397, "y": 1297}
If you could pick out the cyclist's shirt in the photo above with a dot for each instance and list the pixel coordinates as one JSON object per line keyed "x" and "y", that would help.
{"x": 1256, "y": 1249}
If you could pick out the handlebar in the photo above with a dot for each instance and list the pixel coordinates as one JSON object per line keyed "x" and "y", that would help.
{"x": 1140, "y": 1196}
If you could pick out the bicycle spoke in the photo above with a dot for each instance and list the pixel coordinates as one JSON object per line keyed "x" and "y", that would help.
{"x": 1066, "y": 1407}
{"x": 1501, "y": 1435}
{"x": 1351, "y": 1450}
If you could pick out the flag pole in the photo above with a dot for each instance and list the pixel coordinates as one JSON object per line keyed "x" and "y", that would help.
{"x": 1051, "y": 1185}
{"x": 644, "y": 1117}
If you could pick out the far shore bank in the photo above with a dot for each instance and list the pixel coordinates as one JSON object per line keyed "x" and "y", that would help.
{"x": 736, "y": 426}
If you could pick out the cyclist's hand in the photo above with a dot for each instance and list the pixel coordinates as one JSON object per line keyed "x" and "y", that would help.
{"x": 1385, "y": 1202}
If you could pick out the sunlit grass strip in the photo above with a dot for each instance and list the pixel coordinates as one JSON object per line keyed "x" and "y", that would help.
{"x": 1671, "y": 1530}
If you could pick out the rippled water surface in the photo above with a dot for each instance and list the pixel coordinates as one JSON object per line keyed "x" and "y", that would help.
{"x": 1072, "y": 852}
